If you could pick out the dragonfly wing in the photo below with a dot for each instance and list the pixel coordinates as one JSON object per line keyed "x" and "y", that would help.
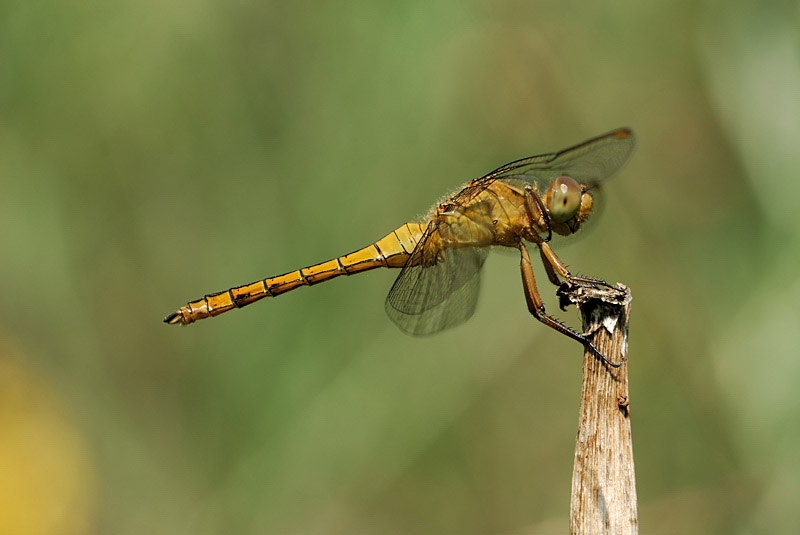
{"x": 590, "y": 162}
{"x": 428, "y": 298}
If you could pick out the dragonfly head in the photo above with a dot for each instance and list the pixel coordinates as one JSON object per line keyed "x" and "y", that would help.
{"x": 568, "y": 204}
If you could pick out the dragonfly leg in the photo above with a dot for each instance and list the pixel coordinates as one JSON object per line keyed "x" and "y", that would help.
{"x": 552, "y": 262}
{"x": 536, "y": 307}
{"x": 534, "y": 204}
{"x": 551, "y": 274}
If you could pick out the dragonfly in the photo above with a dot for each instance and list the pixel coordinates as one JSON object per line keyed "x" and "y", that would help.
{"x": 440, "y": 259}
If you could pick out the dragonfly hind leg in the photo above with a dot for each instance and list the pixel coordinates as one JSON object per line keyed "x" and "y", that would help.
{"x": 536, "y": 307}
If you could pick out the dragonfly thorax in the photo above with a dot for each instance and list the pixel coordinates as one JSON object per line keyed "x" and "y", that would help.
{"x": 465, "y": 226}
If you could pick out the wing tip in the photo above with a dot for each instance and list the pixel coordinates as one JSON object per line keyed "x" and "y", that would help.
{"x": 623, "y": 132}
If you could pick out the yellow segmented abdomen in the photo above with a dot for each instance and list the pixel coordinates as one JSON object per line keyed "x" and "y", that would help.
{"x": 392, "y": 250}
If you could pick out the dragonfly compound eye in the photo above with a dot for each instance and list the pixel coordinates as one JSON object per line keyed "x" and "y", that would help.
{"x": 565, "y": 199}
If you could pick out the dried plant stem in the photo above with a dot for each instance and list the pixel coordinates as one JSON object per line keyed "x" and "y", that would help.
{"x": 603, "y": 482}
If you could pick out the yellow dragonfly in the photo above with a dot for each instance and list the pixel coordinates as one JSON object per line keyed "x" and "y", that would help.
{"x": 528, "y": 200}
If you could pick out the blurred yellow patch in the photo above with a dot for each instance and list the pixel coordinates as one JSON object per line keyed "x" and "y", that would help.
{"x": 46, "y": 477}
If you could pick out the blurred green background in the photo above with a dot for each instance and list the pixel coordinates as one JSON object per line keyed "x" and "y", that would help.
{"x": 152, "y": 152}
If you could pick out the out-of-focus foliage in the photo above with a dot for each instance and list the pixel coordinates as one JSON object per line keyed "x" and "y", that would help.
{"x": 152, "y": 152}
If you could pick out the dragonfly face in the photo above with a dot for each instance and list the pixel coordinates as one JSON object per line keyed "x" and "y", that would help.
{"x": 568, "y": 204}
{"x": 526, "y": 200}
{"x": 566, "y": 198}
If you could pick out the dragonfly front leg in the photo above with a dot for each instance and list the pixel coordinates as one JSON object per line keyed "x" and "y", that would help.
{"x": 536, "y": 307}
{"x": 534, "y": 205}
{"x": 551, "y": 274}
{"x": 552, "y": 262}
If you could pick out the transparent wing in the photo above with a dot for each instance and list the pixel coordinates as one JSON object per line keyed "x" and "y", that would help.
{"x": 589, "y": 163}
{"x": 437, "y": 288}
